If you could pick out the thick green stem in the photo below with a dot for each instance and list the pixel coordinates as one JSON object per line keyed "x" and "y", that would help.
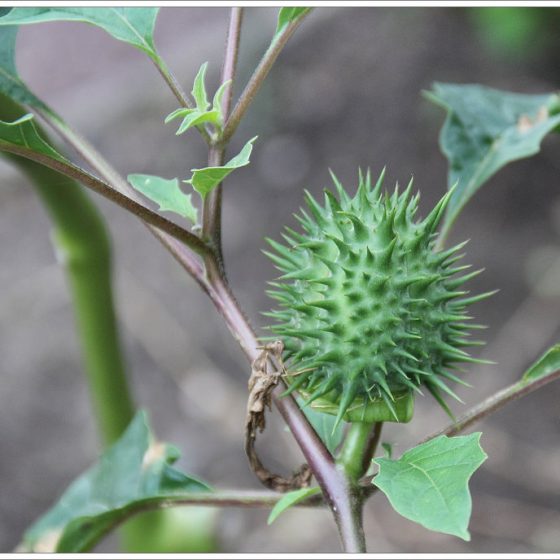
{"x": 84, "y": 249}
{"x": 359, "y": 447}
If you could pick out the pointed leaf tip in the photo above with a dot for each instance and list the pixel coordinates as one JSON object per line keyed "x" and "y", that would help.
{"x": 291, "y": 499}
{"x": 289, "y": 14}
{"x": 547, "y": 364}
{"x": 206, "y": 179}
{"x": 133, "y": 25}
{"x": 22, "y": 137}
{"x": 429, "y": 483}
{"x": 199, "y": 89}
{"x": 485, "y": 129}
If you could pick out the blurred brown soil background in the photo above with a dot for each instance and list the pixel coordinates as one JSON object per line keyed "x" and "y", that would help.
{"x": 345, "y": 93}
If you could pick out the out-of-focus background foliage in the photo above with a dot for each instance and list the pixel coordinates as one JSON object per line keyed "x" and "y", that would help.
{"x": 345, "y": 93}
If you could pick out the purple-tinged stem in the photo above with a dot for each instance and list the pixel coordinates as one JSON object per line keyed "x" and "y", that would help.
{"x": 494, "y": 403}
{"x": 258, "y": 78}
{"x": 212, "y": 206}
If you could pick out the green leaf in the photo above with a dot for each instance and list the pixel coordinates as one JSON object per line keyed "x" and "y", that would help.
{"x": 199, "y": 89}
{"x": 10, "y": 82}
{"x": 545, "y": 365}
{"x": 194, "y": 117}
{"x": 23, "y": 134}
{"x": 200, "y": 115}
{"x": 290, "y": 499}
{"x": 197, "y": 118}
{"x": 287, "y": 15}
{"x": 206, "y": 179}
{"x": 218, "y": 96}
{"x": 135, "y": 471}
{"x": 484, "y": 130}
{"x": 131, "y": 25}
{"x": 429, "y": 483}
{"x": 180, "y": 112}
{"x": 167, "y": 193}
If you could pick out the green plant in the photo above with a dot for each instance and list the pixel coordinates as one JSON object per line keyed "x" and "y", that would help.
{"x": 372, "y": 306}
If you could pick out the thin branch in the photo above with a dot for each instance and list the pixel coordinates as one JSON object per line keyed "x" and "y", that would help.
{"x": 178, "y": 92}
{"x": 494, "y": 403}
{"x": 481, "y": 411}
{"x": 102, "y": 188}
{"x": 232, "y": 498}
{"x": 172, "y": 82}
{"x": 220, "y": 499}
{"x": 89, "y": 154}
{"x": 231, "y": 56}
{"x": 258, "y": 77}
{"x": 186, "y": 258}
{"x": 212, "y": 206}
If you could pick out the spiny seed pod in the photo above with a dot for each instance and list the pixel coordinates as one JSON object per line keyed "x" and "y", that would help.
{"x": 370, "y": 311}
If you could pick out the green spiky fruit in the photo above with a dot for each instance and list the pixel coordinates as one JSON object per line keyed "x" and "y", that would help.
{"x": 369, "y": 311}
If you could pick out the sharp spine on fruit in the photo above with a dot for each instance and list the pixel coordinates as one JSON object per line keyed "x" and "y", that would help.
{"x": 368, "y": 302}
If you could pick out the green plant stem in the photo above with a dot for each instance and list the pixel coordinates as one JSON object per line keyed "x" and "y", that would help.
{"x": 358, "y": 449}
{"x": 494, "y": 403}
{"x": 212, "y": 221}
{"x": 258, "y": 77}
{"x": 354, "y": 460}
{"x": 172, "y": 82}
{"x": 84, "y": 249}
{"x": 212, "y": 205}
{"x": 178, "y": 92}
{"x": 89, "y": 274}
{"x": 231, "y": 56}
{"x": 232, "y": 498}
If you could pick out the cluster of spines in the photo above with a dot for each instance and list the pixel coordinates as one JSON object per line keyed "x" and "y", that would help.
{"x": 368, "y": 308}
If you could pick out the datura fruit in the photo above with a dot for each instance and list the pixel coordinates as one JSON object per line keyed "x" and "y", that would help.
{"x": 369, "y": 310}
